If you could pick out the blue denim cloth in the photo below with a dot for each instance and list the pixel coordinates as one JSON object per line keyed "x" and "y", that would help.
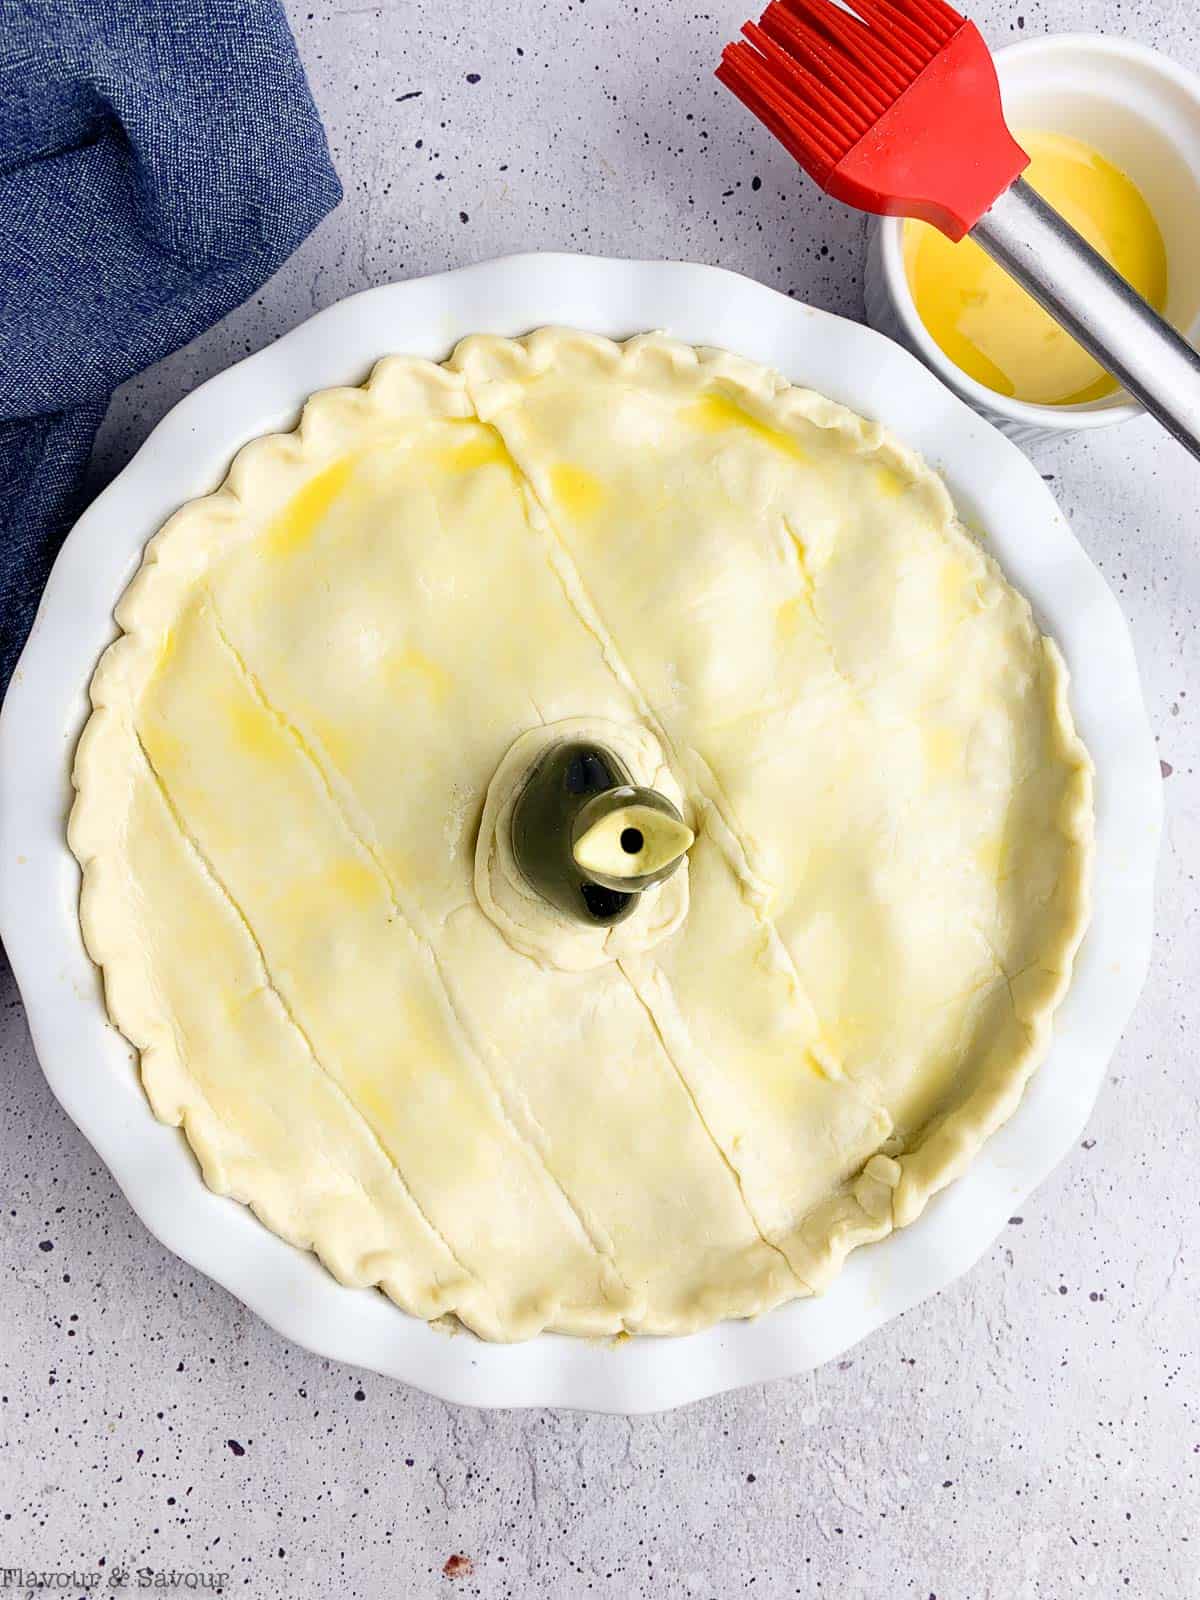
{"x": 159, "y": 159}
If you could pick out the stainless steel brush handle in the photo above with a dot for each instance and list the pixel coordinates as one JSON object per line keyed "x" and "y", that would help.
{"x": 1041, "y": 250}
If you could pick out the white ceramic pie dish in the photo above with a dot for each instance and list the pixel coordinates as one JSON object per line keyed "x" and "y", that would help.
{"x": 89, "y": 1065}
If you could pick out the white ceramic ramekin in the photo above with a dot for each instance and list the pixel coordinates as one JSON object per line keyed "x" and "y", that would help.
{"x": 1139, "y": 110}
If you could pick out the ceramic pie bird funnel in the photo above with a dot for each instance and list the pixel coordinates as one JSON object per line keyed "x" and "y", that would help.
{"x": 588, "y": 839}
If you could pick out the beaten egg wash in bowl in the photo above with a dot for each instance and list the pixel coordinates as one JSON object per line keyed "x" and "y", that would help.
{"x": 989, "y": 326}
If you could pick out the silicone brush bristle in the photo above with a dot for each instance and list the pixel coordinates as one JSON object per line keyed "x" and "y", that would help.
{"x": 820, "y": 77}
{"x": 893, "y": 108}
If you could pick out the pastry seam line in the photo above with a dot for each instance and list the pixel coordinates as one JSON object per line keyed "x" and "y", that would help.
{"x": 703, "y": 1121}
{"x": 219, "y": 884}
{"x": 531, "y": 1139}
{"x": 611, "y": 655}
{"x": 808, "y": 594}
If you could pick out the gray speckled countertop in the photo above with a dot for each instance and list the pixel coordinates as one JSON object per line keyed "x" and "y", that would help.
{"x": 1031, "y": 1432}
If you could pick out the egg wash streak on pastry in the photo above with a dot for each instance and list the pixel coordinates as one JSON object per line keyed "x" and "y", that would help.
{"x": 331, "y": 677}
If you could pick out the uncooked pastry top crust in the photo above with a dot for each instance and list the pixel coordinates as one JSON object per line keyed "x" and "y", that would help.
{"x": 321, "y": 668}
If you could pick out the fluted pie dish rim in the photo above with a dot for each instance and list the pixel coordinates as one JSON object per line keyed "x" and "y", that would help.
{"x": 996, "y": 490}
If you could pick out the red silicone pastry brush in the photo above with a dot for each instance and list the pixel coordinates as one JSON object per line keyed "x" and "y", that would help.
{"x": 896, "y": 110}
